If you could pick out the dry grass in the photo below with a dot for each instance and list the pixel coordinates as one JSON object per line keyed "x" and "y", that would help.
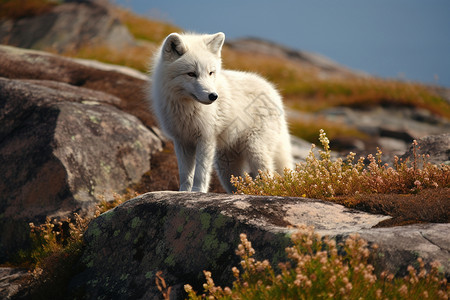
{"x": 307, "y": 129}
{"x": 304, "y": 89}
{"x": 143, "y": 28}
{"x": 317, "y": 270}
{"x": 429, "y": 205}
{"x": 56, "y": 248}
{"x": 136, "y": 57}
{"x": 323, "y": 178}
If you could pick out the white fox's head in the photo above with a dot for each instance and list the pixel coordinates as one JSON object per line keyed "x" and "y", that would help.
{"x": 192, "y": 63}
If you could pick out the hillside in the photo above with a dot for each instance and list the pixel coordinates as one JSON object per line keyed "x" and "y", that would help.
{"x": 358, "y": 111}
{"x": 313, "y": 87}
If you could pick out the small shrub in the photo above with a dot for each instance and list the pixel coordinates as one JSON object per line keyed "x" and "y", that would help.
{"x": 316, "y": 270}
{"x": 324, "y": 179}
{"x": 56, "y": 248}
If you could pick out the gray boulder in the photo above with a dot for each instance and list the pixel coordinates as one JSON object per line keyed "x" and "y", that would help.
{"x": 183, "y": 234}
{"x": 326, "y": 66}
{"x": 392, "y": 129}
{"x": 61, "y": 147}
{"x": 436, "y": 146}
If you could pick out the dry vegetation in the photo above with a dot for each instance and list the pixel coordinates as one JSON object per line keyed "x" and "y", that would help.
{"x": 374, "y": 187}
{"x": 145, "y": 29}
{"x": 317, "y": 270}
{"x": 322, "y": 178}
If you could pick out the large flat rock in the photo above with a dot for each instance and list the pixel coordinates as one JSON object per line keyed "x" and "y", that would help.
{"x": 61, "y": 148}
{"x": 183, "y": 234}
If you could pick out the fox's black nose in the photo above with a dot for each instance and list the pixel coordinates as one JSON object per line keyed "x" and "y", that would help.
{"x": 213, "y": 96}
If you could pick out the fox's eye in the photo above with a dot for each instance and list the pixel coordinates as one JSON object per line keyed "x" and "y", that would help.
{"x": 211, "y": 73}
{"x": 192, "y": 74}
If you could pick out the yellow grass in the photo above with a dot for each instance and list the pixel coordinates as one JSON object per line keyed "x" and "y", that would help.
{"x": 143, "y": 28}
{"x": 308, "y": 129}
{"x": 137, "y": 57}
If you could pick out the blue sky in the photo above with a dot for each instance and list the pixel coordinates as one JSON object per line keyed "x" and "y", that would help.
{"x": 407, "y": 39}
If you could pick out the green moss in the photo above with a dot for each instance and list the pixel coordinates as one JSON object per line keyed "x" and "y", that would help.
{"x": 94, "y": 119}
{"x": 223, "y": 247}
{"x": 124, "y": 276}
{"x": 137, "y": 145}
{"x": 105, "y": 167}
{"x": 90, "y": 263}
{"x": 220, "y": 221}
{"x": 149, "y": 275}
{"x": 210, "y": 242}
{"x": 205, "y": 219}
{"x": 170, "y": 260}
{"x": 136, "y": 222}
{"x": 136, "y": 240}
{"x": 95, "y": 231}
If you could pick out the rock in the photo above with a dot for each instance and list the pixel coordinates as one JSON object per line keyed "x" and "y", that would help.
{"x": 401, "y": 246}
{"x": 392, "y": 129}
{"x": 183, "y": 234}
{"x": 436, "y": 146}
{"x": 124, "y": 83}
{"x": 67, "y": 27}
{"x": 12, "y": 281}
{"x": 326, "y": 66}
{"x": 61, "y": 147}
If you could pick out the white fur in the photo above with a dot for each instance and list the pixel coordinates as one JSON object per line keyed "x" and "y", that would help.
{"x": 243, "y": 130}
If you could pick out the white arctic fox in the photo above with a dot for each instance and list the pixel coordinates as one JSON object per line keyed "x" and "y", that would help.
{"x": 233, "y": 119}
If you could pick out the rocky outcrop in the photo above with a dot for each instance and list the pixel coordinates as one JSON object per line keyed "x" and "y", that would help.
{"x": 326, "y": 66}
{"x": 67, "y": 27}
{"x": 126, "y": 84}
{"x": 183, "y": 234}
{"x": 65, "y": 141}
{"x": 392, "y": 129}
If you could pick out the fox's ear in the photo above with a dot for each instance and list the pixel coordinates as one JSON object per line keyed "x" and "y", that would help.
{"x": 215, "y": 42}
{"x": 173, "y": 47}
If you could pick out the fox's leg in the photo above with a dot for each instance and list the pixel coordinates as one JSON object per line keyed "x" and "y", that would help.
{"x": 203, "y": 165}
{"x": 259, "y": 158}
{"x": 229, "y": 163}
{"x": 186, "y": 164}
{"x": 283, "y": 154}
